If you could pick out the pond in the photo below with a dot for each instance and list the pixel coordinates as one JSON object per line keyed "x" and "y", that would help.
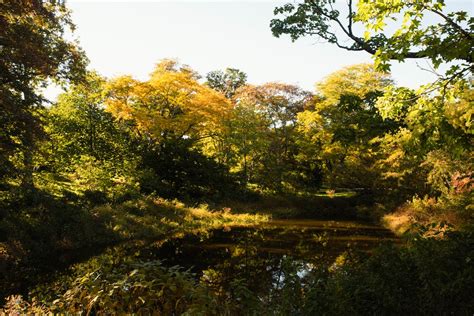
{"x": 241, "y": 266}
{"x": 266, "y": 257}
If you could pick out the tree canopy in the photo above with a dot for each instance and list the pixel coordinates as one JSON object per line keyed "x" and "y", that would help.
{"x": 172, "y": 104}
{"x": 33, "y": 52}
{"x": 227, "y": 81}
{"x": 339, "y": 128}
{"x": 365, "y": 24}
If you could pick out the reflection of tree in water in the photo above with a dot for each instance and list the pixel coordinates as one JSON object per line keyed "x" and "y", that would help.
{"x": 269, "y": 267}
{"x": 246, "y": 274}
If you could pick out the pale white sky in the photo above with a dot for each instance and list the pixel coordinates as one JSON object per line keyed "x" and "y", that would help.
{"x": 130, "y": 37}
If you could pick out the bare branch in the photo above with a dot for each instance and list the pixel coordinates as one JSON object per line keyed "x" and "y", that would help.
{"x": 430, "y": 70}
{"x": 349, "y": 4}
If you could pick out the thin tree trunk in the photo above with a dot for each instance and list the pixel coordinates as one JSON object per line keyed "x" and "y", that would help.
{"x": 27, "y": 183}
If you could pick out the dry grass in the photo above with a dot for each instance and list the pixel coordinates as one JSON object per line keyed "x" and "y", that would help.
{"x": 398, "y": 222}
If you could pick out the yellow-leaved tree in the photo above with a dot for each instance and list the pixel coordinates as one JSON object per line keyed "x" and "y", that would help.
{"x": 171, "y": 105}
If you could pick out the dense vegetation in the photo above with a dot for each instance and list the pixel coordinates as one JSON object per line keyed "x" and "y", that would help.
{"x": 119, "y": 159}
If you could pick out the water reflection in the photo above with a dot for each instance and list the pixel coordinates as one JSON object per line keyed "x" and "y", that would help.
{"x": 268, "y": 259}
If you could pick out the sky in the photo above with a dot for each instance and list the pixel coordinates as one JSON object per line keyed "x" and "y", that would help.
{"x": 130, "y": 37}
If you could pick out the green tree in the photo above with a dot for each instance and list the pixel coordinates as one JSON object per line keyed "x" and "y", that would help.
{"x": 227, "y": 81}
{"x": 449, "y": 38}
{"x": 434, "y": 141}
{"x": 86, "y": 145}
{"x": 79, "y": 125}
{"x": 339, "y": 130}
{"x": 275, "y": 106}
{"x": 246, "y": 139}
{"x": 33, "y": 52}
{"x": 436, "y": 119}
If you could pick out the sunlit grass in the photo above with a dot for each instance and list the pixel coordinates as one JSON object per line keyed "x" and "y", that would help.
{"x": 152, "y": 217}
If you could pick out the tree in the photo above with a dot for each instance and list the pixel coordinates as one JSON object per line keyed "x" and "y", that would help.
{"x": 177, "y": 169}
{"x": 33, "y": 51}
{"x": 449, "y": 39}
{"x": 226, "y": 82}
{"x": 86, "y": 145}
{"x": 173, "y": 116}
{"x": 79, "y": 125}
{"x": 275, "y": 105}
{"x": 434, "y": 117}
{"x": 340, "y": 127}
{"x": 245, "y": 140}
{"x": 434, "y": 141}
{"x": 172, "y": 105}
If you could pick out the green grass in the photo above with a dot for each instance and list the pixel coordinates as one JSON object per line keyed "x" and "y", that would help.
{"x": 54, "y": 228}
{"x": 337, "y": 206}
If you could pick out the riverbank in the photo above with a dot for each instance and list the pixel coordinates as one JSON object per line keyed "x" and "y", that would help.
{"x": 53, "y": 234}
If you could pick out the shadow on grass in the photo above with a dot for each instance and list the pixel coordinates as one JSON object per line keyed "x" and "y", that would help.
{"x": 49, "y": 233}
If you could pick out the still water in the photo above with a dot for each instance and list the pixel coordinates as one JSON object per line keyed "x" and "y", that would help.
{"x": 260, "y": 261}
{"x": 266, "y": 257}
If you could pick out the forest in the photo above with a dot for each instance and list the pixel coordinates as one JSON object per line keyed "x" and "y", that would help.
{"x": 204, "y": 194}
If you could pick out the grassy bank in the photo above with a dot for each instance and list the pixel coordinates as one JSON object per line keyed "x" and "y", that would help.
{"x": 424, "y": 276}
{"x": 334, "y": 206}
{"x": 452, "y": 211}
{"x": 54, "y": 234}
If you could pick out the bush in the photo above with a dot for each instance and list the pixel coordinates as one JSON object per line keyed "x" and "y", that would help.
{"x": 176, "y": 170}
{"x": 132, "y": 286}
{"x": 430, "y": 277}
